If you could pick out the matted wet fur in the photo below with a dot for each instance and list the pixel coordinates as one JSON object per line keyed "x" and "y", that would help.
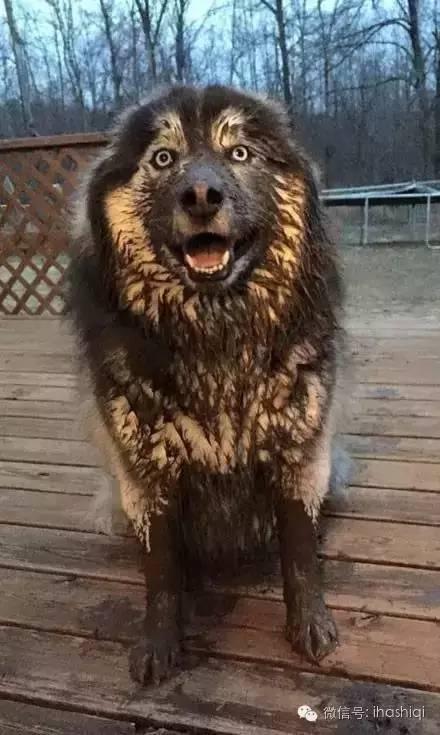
{"x": 205, "y": 296}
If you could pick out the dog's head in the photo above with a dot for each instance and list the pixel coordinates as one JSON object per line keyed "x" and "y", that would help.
{"x": 197, "y": 185}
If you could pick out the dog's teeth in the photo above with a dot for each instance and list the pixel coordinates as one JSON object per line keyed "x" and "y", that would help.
{"x": 213, "y": 269}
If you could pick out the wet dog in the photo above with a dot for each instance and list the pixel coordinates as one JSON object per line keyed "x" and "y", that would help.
{"x": 206, "y": 296}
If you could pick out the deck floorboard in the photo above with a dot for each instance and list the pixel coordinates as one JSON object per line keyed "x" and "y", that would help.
{"x": 72, "y": 600}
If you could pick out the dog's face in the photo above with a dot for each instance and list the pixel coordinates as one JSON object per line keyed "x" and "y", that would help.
{"x": 204, "y": 168}
{"x": 210, "y": 214}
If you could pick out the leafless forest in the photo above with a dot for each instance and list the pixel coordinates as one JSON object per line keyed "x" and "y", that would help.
{"x": 360, "y": 77}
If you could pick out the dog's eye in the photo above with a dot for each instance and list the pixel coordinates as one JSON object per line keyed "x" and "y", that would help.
{"x": 163, "y": 158}
{"x": 239, "y": 153}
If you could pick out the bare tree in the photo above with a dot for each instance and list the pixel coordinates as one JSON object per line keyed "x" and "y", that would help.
{"x": 277, "y": 9}
{"x": 412, "y": 18}
{"x": 181, "y": 8}
{"x": 303, "y": 21}
{"x": 64, "y": 22}
{"x": 107, "y": 10}
{"x": 152, "y": 15}
{"x": 21, "y": 66}
{"x": 436, "y": 153}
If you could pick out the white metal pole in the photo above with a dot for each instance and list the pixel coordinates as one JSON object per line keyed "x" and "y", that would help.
{"x": 365, "y": 228}
{"x": 428, "y": 219}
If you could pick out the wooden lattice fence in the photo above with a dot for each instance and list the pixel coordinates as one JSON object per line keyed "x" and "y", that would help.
{"x": 38, "y": 177}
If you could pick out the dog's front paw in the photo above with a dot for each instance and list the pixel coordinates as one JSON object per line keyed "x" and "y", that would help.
{"x": 311, "y": 629}
{"x": 155, "y": 657}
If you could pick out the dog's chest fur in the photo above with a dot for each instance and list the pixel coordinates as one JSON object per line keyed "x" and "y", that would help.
{"x": 218, "y": 412}
{"x": 242, "y": 406}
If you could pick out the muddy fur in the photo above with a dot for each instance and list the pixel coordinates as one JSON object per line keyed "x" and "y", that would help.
{"x": 216, "y": 400}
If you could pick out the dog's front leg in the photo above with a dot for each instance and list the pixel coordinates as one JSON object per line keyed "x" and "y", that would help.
{"x": 159, "y": 650}
{"x": 310, "y": 626}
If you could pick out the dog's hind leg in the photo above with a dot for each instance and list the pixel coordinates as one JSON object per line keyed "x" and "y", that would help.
{"x": 115, "y": 503}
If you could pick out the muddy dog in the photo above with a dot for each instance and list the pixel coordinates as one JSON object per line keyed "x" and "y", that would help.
{"x": 205, "y": 296}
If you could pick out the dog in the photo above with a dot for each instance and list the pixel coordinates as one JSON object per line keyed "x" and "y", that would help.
{"x": 206, "y": 299}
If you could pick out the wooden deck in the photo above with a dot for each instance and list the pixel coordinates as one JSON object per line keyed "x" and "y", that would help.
{"x": 71, "y": 600}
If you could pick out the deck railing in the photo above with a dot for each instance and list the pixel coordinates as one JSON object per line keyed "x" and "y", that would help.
{"x": 38, "y": 177}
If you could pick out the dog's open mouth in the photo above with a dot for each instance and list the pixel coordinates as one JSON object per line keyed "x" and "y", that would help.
{"x": 208, "y": 255}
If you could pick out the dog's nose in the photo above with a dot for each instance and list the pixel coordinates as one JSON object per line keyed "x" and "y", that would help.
{"x": 202, "y": 200}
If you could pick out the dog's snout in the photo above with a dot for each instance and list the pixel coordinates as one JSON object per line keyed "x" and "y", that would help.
{"x": 201, "y": 200}
{"x": 202, "y": 195}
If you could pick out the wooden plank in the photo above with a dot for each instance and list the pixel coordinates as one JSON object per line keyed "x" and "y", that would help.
{"x": 393, "y": 322}
{"x": 388, "y": 447}
{"x": 395, "y": 474}
{"x": 59, "y": 427}
{"x": 373, "y": 646}
{"x": 18, "y": 718}
{"x": 417, "y": 330}
{"x": 222, "y": 697}
{"x": 86, "y": 554}
{"x": 61, "y": 601}
{"x": 57, "y": 361}
{"x": 411, "y": 392}
{"x": 53, "y": 510}
{"x": 369, "y": 588}
{"x": 401, "y": 356}
{"x": 58, "y": 380}
{"x": 405, "y": 506}
{"x": 399, "y": 426}
{"x": 391, "y": 408}
{"x": 364, "y": 332}
{"x": 390, "y": 343}
{"x": 71, "y": 604}
{"x": 44, "y": 428}
{"x": 47, "y": 341}
{"x": 22, "y": 449}
{"x": 52, "y": 477}
{"x": 382, "y": 541}
{"x": 391, "y": 351}
{"x": 111, "y": 609}
{"x": 75, "y": 512}
{"x": 420, "y": 373}
{"x": 376, "y": 588}
{"x": 398, "y": 392}
{"x": 38, "y": 409}
{"x": 54, "y": 141}
{"x": 116, "y": 557}
{"x": 409, "y": 426}
{"x": 38, "y": 393}
{"x": 44, "y": 338}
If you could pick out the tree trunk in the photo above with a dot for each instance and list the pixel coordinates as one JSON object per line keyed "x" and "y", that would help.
{"x": 180, "y": 40}
{"x": 436, "y": 156}
{"x": 420, "y": 81}
{"x": 114, "y": 61}
{"x": 233, "y": 41}
{"x": 285, "y": 69}
{"x": 145, "y": 14}
{"x": 18, "y": 49}
{"x": 151, "y": 29}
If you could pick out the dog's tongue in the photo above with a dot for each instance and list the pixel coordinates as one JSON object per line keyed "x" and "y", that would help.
{"x": 208, "y": 257}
